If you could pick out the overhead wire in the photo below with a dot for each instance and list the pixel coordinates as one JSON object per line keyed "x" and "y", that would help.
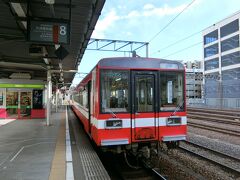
{"x": 184, "y": 49}
{"x": 177, "y": 42}
{"x": 171, "y": 21}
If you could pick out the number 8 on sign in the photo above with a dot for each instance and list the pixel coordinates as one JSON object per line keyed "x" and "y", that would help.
{"x": 63, "y": 30}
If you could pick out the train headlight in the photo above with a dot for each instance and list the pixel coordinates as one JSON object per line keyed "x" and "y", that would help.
{"x": 113, "y": 124}
{"x": 173, "y": 121}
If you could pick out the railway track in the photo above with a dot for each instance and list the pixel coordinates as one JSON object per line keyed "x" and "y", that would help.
{"x": 206, "y": 117}
{"x": 215, "y": 129}
{"x": 154, "y": 171}
{"x": 230, "y": 163}
{"x": 118, "y": 168}
{"x": 214, "y": 115}
{"x": 218, "y": 111}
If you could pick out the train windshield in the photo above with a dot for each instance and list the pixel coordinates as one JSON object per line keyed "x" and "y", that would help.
{"x": 171, "y": 91}
{"x": 114, "y": 91}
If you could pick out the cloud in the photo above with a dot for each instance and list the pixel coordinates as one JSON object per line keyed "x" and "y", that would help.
{"x": 151, "y": 10}
{"x": 132, "y": 14}
{"x": 148, "y": 6}
{"x": 148, "y": 10}
{"x": 105, "y": 23}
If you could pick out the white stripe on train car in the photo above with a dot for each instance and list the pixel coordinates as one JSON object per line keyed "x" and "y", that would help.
{"x": 100, "y": 124}
{"x": 144, "y": 122}
{"x": 84, "y": 112}
{"x": 139, "y": 122}
{"x": 184, "y": 120}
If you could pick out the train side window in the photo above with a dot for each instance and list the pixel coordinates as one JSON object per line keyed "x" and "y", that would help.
{"x": 114, "y": 90}
{"x": 142, "y": 88}
{"x": 171, "y": 91}
{"x": 149, "y": 93}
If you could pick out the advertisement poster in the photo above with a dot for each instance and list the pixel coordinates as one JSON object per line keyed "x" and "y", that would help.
{"x": 37, "y": 99}
{"x": 1, "y": 98}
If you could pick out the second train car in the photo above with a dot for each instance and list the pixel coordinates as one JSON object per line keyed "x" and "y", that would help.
{"x": 131, "y": 103}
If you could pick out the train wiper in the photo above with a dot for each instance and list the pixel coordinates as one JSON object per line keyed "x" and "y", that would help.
{"x": 113, "y": 114}
{"x": 109, "y": 110}
{"x": 177, "y": 108}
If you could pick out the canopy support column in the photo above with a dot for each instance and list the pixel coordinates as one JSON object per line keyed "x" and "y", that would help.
{"x": 49, "y": 96}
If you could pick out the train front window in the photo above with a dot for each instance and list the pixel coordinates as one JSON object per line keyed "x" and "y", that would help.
{"x": 114, "y": 91}
{"x": 171, "y": 91}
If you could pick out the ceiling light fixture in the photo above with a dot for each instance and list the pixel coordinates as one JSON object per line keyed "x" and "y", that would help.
{"x": 50, "y": 1}
{"x": 20, "y": 12}
{"x": 46, "y": 60}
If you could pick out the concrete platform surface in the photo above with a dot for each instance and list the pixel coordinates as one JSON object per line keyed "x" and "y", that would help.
{"x": 27, "y": 148}
{"x": 30, "y": 150}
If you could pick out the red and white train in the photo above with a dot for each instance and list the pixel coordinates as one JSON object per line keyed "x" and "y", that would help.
{"x": 130, "y": 102}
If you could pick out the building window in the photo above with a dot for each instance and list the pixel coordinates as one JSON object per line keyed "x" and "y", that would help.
{"x": 230, "y": 43}
{"x": 211, "y": 64}
{"x": 232, "y": 74}
{"x": 230, "y": 59}
{"x": 231, "y": 83}
{"x": 211, "y": 50}
{"x": 213, "y": 36}
{"x": 212, "y": 85}
{"x": 229, "y": 28}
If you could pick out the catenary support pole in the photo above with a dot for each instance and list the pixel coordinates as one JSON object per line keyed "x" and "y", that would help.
{"x": 147, "y": 50}
{"x": 56, "y": 96}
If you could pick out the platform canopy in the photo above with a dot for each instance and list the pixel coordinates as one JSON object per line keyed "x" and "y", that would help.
{"x": 38, "y": 35}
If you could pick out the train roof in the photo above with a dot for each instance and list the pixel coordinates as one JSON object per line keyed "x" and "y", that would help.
{"x": 135, "y": 62}
{"x": 139, "y": 62}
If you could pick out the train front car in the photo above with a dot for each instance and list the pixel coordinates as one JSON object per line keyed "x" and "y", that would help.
{"x": 137, "y": 103}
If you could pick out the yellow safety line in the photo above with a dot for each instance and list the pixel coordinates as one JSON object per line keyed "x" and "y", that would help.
{"x": 58, "y": 169}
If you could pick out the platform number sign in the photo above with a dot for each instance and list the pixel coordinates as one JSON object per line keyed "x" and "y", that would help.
{"x": 48, "y": 32}
{"x": 63, "y": 30}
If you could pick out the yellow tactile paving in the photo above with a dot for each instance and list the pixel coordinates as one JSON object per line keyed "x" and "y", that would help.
{"x": 58, "y": 169}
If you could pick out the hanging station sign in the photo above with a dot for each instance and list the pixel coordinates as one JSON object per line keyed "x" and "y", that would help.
{"x": 48, "y": 32}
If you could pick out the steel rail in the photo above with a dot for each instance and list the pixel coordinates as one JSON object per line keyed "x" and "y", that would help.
{"x": 215, "y": 120}
{"x": 218, "y": 111}
{"x": 158, "y": 174}
{"x": 235, "y": 171}
{"x": 216, "y": 129}
{"x": 209, "y": 117}
{"x": 212, "y": 150}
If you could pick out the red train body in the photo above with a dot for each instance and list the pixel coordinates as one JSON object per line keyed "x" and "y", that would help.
{"x": 126, "y": 102}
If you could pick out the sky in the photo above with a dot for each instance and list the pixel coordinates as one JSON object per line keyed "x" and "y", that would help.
{"x": 142, "y": 20}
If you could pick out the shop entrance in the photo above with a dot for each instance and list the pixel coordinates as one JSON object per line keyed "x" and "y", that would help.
{"x": 18, "y": 104}
{"x": 25, "y": 104}
{"x": 12, "y": 100}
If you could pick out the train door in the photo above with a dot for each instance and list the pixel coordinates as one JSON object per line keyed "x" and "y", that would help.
{"x": 144, "y": 105}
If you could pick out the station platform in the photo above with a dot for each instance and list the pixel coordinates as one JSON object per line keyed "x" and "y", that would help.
{"x": 31, "y": 150}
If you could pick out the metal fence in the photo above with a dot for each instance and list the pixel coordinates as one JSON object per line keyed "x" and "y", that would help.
{"x": 224, "y": 95}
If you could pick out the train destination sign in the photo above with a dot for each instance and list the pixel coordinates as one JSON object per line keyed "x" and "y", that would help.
{"x": 48, "y": 32}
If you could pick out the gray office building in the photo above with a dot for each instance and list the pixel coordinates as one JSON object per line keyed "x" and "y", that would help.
{"x": 221, "y": 52}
